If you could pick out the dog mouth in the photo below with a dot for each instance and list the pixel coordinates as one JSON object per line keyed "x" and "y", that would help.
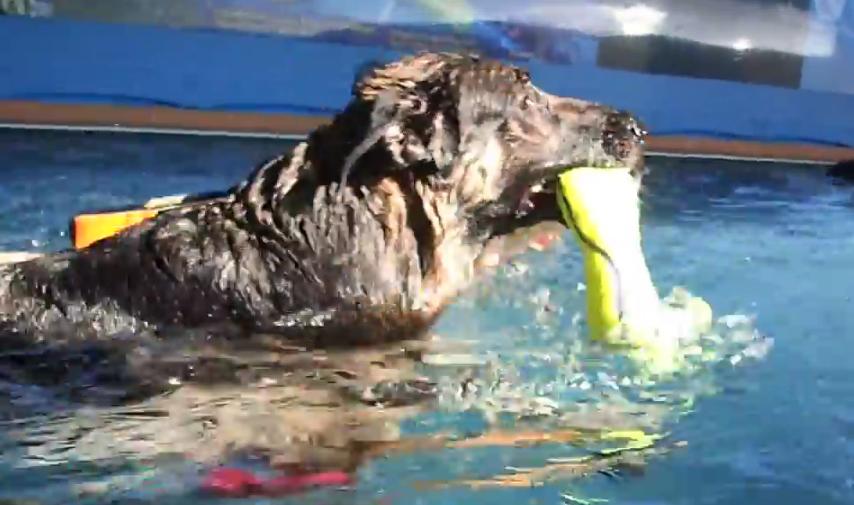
{"x": 528, "y": 206}
{"x": 531, "y": 221}
{"x": 530, "y": 218}
{"x": 537, "y": 203}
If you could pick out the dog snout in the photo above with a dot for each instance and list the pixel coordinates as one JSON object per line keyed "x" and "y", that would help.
{"x": 622, "y": 134}
{"x": 624, "y": 126}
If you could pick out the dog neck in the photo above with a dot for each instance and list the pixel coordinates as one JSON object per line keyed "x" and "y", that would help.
{"x": 452, "y": 258}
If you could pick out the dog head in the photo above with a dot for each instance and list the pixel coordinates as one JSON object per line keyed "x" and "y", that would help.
{"x": 479, "y": 131}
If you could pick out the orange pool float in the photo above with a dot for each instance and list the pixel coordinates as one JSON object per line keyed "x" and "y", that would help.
{"x": 89, "y": 227}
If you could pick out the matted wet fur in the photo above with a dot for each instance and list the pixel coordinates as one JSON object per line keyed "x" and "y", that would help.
{"x": 361, "y": 234}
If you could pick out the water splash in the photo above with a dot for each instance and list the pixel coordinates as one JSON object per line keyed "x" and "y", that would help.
{"x": 528, "y": 356}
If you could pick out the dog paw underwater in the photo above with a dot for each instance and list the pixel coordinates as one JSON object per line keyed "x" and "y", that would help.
{"x": 230, "y": 325}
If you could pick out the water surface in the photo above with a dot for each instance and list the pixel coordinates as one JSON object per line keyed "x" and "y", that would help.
{"x": 763, "y": 424}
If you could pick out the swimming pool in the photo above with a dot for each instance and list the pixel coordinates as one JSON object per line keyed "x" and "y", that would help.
{"x": 763, "y": 424}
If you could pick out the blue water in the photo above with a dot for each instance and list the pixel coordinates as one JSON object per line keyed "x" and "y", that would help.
{"x": 772, "y": 242}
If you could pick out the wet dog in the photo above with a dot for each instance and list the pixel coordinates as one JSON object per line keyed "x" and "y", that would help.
{"x": 360, "y": 235}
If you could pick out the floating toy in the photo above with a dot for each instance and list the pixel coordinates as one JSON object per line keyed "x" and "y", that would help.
{"x": 89, "y": 227}
{"x": 602, "y": 207}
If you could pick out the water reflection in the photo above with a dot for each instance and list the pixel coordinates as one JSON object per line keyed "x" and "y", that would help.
{"x": 314, "y": 412}
{"x": 310, "y": 409}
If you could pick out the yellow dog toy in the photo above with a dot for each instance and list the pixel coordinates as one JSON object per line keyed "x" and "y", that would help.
{"x": 602, "y": 207}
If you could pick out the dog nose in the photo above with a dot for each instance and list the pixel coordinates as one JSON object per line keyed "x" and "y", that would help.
{"x": 622, "y": 134}
{"x": 622, "y": 125}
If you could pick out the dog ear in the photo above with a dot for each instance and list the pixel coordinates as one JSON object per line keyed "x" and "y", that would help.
{"x": 400, "y": 127}
{"x": 414, "y": 119}
{"x": 362, "y": 72}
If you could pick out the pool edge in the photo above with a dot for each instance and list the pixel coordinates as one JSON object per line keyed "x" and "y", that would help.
{"x": 167, "y": 120}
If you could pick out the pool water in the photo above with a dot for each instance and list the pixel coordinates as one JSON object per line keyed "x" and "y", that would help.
{"x": 768, "y": 420}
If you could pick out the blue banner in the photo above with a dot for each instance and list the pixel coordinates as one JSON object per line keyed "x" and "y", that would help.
{"x": 805, "y": 44}
{"x": 774, "y": 70}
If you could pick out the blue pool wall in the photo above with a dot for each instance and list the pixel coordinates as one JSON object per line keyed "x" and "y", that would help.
{"x": 72, "y": 61}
